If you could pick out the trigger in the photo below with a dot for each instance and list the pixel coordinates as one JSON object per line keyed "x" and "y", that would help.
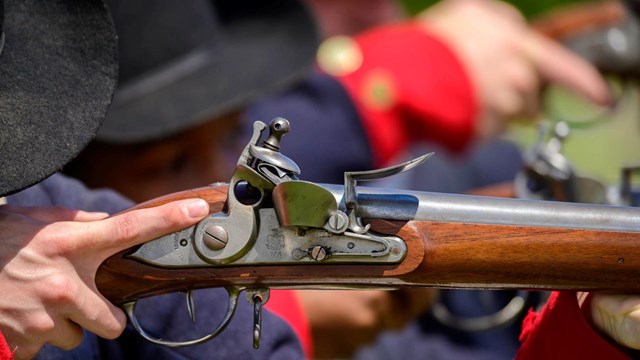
{"x": 190, "y": 306}
{"x": 257, "y": 297}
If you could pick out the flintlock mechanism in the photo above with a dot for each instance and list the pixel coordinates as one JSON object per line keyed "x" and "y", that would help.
{"x": 273, "y": 218}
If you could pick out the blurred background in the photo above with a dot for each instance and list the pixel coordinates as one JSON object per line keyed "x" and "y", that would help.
{"x": 601, "y": 142}
{"x": 530, "y": 8}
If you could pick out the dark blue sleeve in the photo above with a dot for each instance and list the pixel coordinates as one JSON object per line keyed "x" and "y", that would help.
{"x": 60, "y": 190}
{"x": 481, "y": 165}
{"x": 327, "y": 139}
{"x": 326, "y": 136}
{"x": 166, "y": 317}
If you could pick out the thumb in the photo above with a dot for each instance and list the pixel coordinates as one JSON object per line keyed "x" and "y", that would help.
{"x": 557, "y": 64}
{"x": 134, "y": 227}
{"x": 51, "y": 214}
{"x": 618, "y": 316}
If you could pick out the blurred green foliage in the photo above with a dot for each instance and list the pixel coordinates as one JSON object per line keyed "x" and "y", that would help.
{"x": 599, "y": 149}
{"x": 530, "y": 8}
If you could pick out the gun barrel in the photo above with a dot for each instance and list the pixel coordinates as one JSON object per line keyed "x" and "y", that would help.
{"x": 424, "y": 206}
{"x": 483, "y": 242}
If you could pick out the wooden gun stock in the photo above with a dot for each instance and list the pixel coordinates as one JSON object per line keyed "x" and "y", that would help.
{"x": 575, "y": 19}
{"x": 440, "y": 254}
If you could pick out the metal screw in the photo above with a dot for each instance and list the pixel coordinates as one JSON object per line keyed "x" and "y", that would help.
{"x": 337, "y": 221}
{"x": 298, "y": 254}
{"x": 215, "y": 237}
{"x": 621, "y": 261}
{"x": 395, "y": 251}
{"x": 318, "y": 253}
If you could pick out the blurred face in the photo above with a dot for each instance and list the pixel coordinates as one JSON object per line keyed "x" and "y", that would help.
{"x": 194, "y": 158}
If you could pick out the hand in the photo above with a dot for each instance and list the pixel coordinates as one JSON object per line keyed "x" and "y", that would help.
{"x": 342, "y": 321}
{"x": 618, "y": 316}
{"x": 48, "y": 261}
{"x": 507, "y": 61}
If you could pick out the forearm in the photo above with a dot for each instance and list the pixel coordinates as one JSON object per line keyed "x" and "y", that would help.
{"x": 59, "y": 190}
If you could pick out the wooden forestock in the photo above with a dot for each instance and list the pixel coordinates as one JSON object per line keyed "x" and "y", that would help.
{"x": 572, "y": 20}
{"x": 440, "y": 254}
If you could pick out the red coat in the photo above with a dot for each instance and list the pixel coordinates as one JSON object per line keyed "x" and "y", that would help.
{"x": 561, "y": 331}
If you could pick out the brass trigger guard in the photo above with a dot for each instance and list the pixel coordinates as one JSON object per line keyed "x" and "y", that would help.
{"x": 233, "y": 292}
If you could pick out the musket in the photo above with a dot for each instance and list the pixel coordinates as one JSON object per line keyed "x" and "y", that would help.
{"x": 268, "y": 229}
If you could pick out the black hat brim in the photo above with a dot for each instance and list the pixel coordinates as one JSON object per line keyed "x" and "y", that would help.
{"x": 58, "y": 71}
{"x": 249, "y": 59}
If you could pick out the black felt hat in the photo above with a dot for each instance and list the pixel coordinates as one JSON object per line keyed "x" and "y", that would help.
{"x": 58, "y": 70}
{"x": 186, "y": 62}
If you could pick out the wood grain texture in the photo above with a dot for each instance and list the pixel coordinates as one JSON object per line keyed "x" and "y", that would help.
{"x": 500, "y": 256}
{"x": 215, "y": 195}
{"x": 439, "y": 255}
